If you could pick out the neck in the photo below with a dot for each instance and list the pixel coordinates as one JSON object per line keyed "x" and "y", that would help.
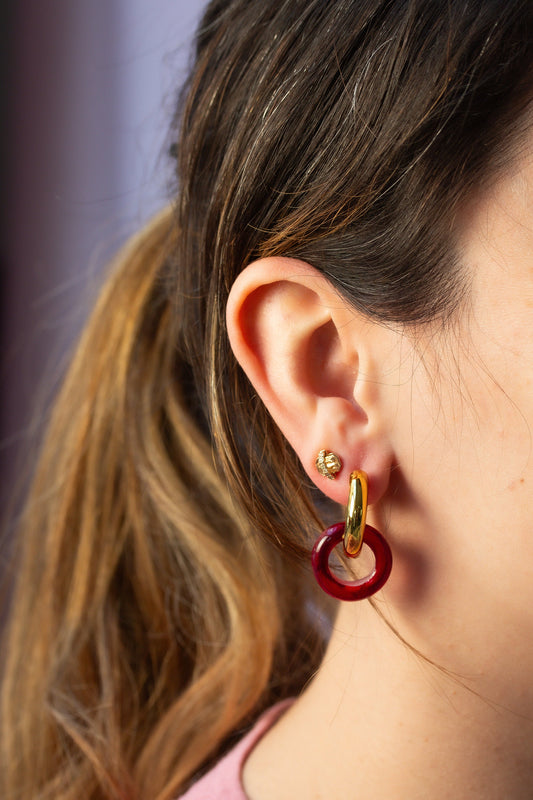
{"x": 379, "y": 720}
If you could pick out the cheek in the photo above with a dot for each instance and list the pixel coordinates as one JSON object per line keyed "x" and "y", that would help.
{"x": 463, "y": 437}
{"x": 459, "y": 510}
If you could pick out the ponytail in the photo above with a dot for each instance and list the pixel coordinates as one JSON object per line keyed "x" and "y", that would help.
{"x": 145, "y": 621}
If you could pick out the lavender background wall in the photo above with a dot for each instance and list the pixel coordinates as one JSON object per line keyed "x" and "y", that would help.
{"x": 90, "y": 90}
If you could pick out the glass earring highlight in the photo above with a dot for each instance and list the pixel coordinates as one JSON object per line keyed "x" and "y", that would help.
{"x": 352, "y": 533}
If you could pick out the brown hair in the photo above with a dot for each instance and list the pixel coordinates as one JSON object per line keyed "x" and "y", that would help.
{"x": 163, "y": 598}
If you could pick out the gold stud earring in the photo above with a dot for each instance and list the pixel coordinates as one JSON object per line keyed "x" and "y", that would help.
{"x": 328, "y": 464}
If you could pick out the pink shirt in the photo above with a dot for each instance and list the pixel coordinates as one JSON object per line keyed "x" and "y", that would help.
{"x": 224, "y": 781}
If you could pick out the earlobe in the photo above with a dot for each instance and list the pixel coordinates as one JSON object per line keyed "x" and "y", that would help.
{"x": 307, "y": 354}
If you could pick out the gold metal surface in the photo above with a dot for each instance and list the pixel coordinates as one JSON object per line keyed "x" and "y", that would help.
{"x": 356, "y": 513}
{"x": 328, "y": 464}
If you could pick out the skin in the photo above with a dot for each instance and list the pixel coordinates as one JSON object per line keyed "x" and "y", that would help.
{"x": 442, "y": 422}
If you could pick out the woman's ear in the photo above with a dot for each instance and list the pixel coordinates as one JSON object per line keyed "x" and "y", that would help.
{"x": 315, "y": 362}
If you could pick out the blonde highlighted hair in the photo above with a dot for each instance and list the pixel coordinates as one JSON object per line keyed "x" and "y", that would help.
{"x": 146, "y": 615}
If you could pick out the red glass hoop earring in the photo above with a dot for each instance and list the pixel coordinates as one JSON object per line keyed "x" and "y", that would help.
{"x": 353, "y": 533}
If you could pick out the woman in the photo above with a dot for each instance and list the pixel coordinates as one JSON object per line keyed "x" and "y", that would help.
{"x": 347, "y": 268}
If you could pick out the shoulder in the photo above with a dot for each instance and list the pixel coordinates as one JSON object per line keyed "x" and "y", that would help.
{"x": 223, "y": 782}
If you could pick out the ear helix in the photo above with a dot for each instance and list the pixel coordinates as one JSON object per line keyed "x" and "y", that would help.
{"x": 353, "y": 533}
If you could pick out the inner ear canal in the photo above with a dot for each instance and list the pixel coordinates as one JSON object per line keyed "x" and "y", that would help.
{"x": 329, "y": 372}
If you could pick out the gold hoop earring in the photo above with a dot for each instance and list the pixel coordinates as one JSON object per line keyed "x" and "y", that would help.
{"x": 354, "y": 527}
{"x": 352, "y": 533}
